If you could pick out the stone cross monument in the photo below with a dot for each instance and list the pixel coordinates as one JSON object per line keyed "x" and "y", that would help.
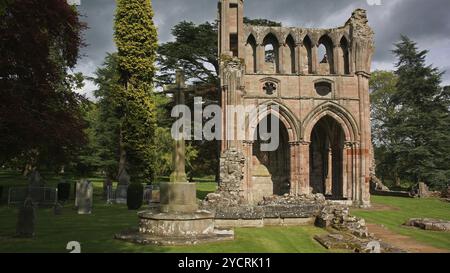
{"x": 179, "y": 195}
{"x": 177, "y": 221}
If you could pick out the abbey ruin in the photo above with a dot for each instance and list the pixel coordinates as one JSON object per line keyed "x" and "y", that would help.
{"x": 319, "y": 81}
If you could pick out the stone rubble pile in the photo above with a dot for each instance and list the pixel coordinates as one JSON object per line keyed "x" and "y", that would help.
{"x": 293, "y": 199}
{"x": 288, "y": 206}
{"x": 421, "y": 190}
{"x": 429, "y": 224}
{"x": 339, "y": 218}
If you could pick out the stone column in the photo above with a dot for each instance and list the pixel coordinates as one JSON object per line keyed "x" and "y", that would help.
{"x": 260, "y": 58}
{"x": 224, "y": 29}
{"x": 329, "y": 178}
{"x": 279, "y": 66}
{"x": 294, "y": 167}
{"x": 298, "y": 58}
{"x": 347, "y": 170}
{"x": 337, "y": 60}
{"x": 247, "y": 187}
{"x": 304, "y": 167}
{"x": 240, "y": 26}
{"x": 314, "y": 61}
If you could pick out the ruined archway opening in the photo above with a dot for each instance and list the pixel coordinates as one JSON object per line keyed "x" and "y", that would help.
{"x": 306, "y": 54}
{"x": 271, "y": 54}
{"x": 271, "y": 169}
{"x": 345, "y": 66}
{"x": 325, "y": 55}
{"x": 290, "y": 61}
{"x": 326, "y": 158}
{"x": 250, "y": 48}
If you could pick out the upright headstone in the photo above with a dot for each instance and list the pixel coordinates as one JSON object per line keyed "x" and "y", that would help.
{"x": 122, "y": 188}
{"x": 85, "y": 197}
{"x": 26, "y": 220}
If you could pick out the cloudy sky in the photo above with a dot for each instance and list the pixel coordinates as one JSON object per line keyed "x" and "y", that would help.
{"x": 426, "y": 22}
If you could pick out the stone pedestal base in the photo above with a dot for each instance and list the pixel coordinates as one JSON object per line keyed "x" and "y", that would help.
{"x": 178, "y": 197}
{"x": 175, "y": 229}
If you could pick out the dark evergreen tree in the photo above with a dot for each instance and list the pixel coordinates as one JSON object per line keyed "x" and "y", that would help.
{"x": 422, "y": 123}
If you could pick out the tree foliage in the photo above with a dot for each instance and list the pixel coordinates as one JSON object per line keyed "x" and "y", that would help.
{"x": 40, "y": 116}
{"x": 136, "y": 39}
{"x": 412, "y": 118}
{"x": 194, "y": 51}
{"x": 261, "y": 22}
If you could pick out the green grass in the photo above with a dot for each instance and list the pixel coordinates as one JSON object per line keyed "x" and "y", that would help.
{"x": 95, "y": 232}
{"x": 405, "y": 208}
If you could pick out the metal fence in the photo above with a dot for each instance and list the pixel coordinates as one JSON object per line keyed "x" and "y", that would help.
{"x": 112, "y": 195}
{"x": 42, "y": 196}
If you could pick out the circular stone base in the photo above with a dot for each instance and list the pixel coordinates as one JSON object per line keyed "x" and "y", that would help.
{"x": 176, "y": 224}
{"x": 134, "y": 236}
{"x": 158, "y": 228}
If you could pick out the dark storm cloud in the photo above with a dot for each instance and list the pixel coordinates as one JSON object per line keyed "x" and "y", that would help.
{"x": 426, "y": 22}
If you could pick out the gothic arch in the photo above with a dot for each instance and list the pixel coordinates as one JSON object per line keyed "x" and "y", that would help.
{"x": 284, "y": 115}
{"x": 267, "y": 32}
{"x": 338, "y": 113}
{"x": 251, "y": 53}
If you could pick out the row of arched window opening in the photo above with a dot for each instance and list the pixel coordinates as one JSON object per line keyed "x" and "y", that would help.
{"x": 283, "y": 59}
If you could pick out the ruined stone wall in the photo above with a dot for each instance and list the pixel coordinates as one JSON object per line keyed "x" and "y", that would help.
{"x": 307, "y": 87}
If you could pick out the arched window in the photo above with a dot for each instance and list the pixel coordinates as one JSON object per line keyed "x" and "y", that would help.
{"x": 306, "y": 54}
{"x": 250, "y": 54}
{"x": 345, "y": 66}
{"x": 271, "y": 54}
{"x": 326, "y": 64}
{"x": 290, "y": 57}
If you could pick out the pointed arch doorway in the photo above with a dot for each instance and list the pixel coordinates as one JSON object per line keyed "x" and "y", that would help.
{"x": 326, "y": 168}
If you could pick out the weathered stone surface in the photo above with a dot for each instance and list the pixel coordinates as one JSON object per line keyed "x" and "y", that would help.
{"x": 294, "y": 81}
{"x": 231, "y": 174}
{"x": 178, "y": 197}
{"x": 377, "y": 185}
{"x": 176, "y": 224}
{"x": 26, "y": 219}
{"x": 121, "y": 194}
{"x": 134, "y": 236}
{"x": 355, "y": 244}
{"x": 429, "y": 224}
{"x": 339, "y": 218}
{"x": 85, "y": 195}
{"x": 158, "y": 228}
{"x": 421, "y": 190}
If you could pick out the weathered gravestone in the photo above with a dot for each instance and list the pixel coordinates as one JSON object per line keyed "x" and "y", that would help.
{"x": 122, "y": 188}
{"x": 26, "y": 220}
{"x": 84, "y": 198}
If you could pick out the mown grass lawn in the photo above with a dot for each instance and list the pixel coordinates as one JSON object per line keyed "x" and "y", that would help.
{"x": 404, "y": 208}
{"x": 95, "y": 232}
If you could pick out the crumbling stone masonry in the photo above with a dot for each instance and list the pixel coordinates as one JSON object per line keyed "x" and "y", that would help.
{"x": 319, "y": 80}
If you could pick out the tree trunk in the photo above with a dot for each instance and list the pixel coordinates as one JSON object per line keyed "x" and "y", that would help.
{"x": 122, "y": 153}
